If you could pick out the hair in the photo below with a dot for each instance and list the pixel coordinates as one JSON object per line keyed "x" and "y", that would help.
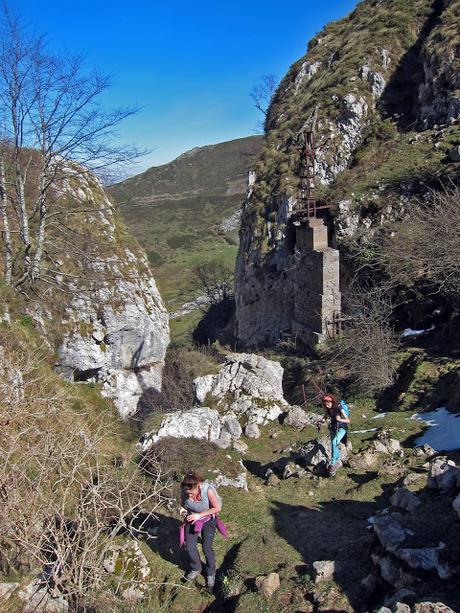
{"x": 333, "y": 399}
{"x": 191, "y": 480}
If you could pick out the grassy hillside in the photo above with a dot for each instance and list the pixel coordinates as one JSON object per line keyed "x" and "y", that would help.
{"x": 175, "y": 210}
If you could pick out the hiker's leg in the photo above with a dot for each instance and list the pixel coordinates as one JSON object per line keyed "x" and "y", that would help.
{"x": 341, "y": 434}
{"x": 335, "y": 440}
{"x": 335, "y": 445}
{"x": 191, "y": 540}
{"x": 207, "y": 534}
{"x": 335, "y": 455}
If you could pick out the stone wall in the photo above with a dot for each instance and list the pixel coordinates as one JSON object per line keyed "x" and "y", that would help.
{"x": 297, "y": 296}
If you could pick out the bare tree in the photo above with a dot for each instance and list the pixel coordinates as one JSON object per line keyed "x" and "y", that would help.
{"x": 214, "y": 281}
{"x": 425, "y": 245}
{"x": 52, "y": 122}
{"x": 262, "y": 94}
{"x": 366, "y": 352}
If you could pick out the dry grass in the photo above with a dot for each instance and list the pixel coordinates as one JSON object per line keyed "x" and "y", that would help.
{"x": 65, "y": 497}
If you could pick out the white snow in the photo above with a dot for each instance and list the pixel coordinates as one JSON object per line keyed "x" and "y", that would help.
{"x": 411, "y": 332}
{"x": 443, "y": 432}
{"x": 379, "y": 416}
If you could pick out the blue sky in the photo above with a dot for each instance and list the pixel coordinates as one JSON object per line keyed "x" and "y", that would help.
{"x": 189, "y": 65}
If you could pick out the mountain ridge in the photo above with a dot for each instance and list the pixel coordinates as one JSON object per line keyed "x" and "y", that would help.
{"x": 178, "y": 211}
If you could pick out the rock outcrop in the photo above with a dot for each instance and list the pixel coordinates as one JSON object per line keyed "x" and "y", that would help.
{"x": 316, "y": 454}
{"x": 390, "y": 83}
{"x": 248, "y": 386}
{"x": 114, "y": 328}
{"x": 296, "y": 417}
{"x": 201, "y": 423}
{"x": 246, "y": 392}
{"x": 408, "y": 552}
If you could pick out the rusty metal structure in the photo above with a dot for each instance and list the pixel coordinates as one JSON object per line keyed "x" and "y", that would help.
{"x": 305, "y": 143}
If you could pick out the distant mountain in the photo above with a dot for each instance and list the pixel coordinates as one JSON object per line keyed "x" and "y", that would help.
{"x": 184, "y": 212}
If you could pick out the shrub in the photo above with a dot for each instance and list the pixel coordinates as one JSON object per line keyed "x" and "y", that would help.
{"x": 366, "y": 353}
{"x": 182, "y": 366}
{"x": 425, "y": 246}
{"x": 64, "y": 495}
{"x": 180, "y": 455}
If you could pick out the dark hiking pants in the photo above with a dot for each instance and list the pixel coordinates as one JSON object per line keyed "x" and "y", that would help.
{"x": 191, "y": 543}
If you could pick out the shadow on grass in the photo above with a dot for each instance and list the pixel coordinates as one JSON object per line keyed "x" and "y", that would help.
{"x": 224, "y": 603}
{"x": 336, "y": 531}
{"x": 166, "y": 542}
{"x": 257, "y": 469}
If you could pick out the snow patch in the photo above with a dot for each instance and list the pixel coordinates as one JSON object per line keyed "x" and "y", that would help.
{"x": 443, "y": 432}
{"x": 411, "y": 332}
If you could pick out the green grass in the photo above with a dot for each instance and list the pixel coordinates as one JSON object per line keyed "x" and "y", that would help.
{"x": 175, "y": 210}
{"x": 282, "y": 528}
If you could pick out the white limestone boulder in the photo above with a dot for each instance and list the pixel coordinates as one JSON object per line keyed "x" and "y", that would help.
{"x": 200, "y": 422}
{"x": 114, "y": 327}
{"x": 443, "y": 474}
{"x": 246, "y": 384}
{"x": 405, "y": 499}
{"x": 389, "y": 532}
{"x": 425, "y": 558}
{"x": 296, "y": 417}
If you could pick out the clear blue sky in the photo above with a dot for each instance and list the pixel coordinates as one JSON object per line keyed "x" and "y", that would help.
{"x": 189, "y": 64}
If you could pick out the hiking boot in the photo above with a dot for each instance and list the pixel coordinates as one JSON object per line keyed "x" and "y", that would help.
{"x": 210, "y": 581}
{"x": 333, "y": 470}
{"x": 192, "y": 575}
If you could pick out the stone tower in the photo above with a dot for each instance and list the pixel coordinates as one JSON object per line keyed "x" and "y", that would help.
{"x": 317, "y": 298}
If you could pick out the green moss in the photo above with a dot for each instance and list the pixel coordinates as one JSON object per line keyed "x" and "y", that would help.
{"x": 26, "y": 320}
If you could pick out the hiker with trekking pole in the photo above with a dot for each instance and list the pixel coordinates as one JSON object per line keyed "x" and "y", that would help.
{"x": 338, "y": 414}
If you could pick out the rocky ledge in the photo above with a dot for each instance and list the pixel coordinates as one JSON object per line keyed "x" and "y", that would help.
{"x": 114, "y": 329}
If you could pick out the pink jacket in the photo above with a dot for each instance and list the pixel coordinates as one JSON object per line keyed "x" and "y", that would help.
{"x": 198, "y": 525}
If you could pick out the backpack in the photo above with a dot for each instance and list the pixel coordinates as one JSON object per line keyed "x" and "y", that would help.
{"x": 204, "y": 492}
{"x": 345, "y": 408}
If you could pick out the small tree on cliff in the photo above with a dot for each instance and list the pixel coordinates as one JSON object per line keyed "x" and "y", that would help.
{"x": 52, "y": 122}
{"x": 425, "y": 246}
{"x": 262, "y": 94}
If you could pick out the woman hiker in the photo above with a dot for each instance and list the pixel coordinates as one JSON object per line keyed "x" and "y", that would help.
{"x": 338, "y": 413}
{"x": 200, "y": 506}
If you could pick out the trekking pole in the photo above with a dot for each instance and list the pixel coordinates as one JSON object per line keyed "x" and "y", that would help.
{"x": 318, "y": 430}
{"x": 304, "y": 395}
{"x": 318, "y": 389}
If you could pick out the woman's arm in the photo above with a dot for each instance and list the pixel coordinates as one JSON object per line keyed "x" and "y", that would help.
{"x": 343, "y": 417}
{"x": 214, "y": 504}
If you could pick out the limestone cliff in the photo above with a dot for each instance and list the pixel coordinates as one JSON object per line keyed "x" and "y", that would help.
{"x": 385, "y": 83}
{"x": 102, "y": 310}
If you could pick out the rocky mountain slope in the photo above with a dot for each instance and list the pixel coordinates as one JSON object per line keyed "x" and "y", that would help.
{"x": 385, "y": 83}
{"x": 100, "y": 308}
{"x": 186, "y": 211}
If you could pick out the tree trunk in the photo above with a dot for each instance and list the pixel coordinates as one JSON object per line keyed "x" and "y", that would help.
{"x": 40, "y": 241}
{"x": 6, "y": 234}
